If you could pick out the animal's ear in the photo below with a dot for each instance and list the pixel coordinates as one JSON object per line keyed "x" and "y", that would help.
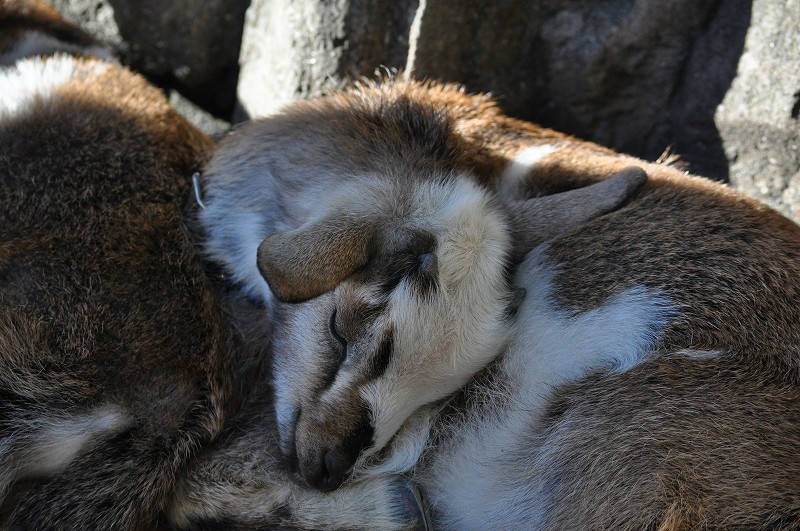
{"x": 536, "y": 220}
{"x": 313, "y": 259}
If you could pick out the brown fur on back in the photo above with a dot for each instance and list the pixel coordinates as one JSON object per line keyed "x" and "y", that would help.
{"x": 102, "y": 301}
{"x": 675, "y": 444}
{"x": 731, "y": 263}
{"x": 679, "y": 441}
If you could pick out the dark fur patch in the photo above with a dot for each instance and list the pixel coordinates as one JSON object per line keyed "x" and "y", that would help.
{"x": 17, "y": 18}
{"x": 405, "y": 263}
{"x": 383, "y": 356}
{"x": 360, "y": 437}
{"x": 424, "y": 282}
{"x": 409, "y": 125}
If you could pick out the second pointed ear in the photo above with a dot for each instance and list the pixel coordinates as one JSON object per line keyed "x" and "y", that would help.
{"x": 539, "y": 219}
{"x": 307, "y": 262}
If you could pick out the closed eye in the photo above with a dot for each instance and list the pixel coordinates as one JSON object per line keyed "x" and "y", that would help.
{"x": 335, "y": 333}
{"x": 338, "y": 353}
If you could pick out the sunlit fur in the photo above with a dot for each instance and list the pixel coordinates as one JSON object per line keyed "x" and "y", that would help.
{"x": 340, "y": 200}
{"x": 650, "y": 381}
{"x": 31, "y": 81}
{"x": 402, "y": 179}
{"x": 111, "y": 348}
{"x": 441, "y": 340}
{"x": 476, "y": 477}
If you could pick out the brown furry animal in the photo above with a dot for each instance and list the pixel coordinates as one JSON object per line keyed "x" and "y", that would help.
{"x": 358, "y": 206}
{"x": 648, "y": 379}
{"x": 113, "y": 353}
{"x": 118, "y": 365}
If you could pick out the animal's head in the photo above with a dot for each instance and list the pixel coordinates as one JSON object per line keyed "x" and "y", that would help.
{"x": 398, "y": 297}
{"x": 410, "y": 300}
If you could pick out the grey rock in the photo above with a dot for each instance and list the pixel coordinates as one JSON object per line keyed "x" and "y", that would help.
{"x": 688, "y": 127}
{"x": 294, "y": 49}
{"x": 634, "y": 75}
{"x": 95, "y": 17}
{"x": 190, "y": 45}
{"x": 759, "y": 119}
{"x": 289, "y": 51}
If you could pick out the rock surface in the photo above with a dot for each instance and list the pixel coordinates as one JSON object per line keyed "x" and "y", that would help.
{"x": 627, "y": 74}
{"x": 190, "y": 45}
{"x": 302, "y": 48}
{"x": 759, "y": 119}
{"x": 94, "y": 16}
{"x": 641, "y": 76}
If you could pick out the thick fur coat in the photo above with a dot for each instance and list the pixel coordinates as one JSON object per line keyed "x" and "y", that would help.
{"x": 113, "y": 353}
{"x": 636, "y": 369}
{"x": 627, "y": 391}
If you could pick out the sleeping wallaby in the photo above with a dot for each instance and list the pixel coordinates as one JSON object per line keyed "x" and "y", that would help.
{"x": 356, "y": 210}
{"x": 117, "y": 362}
{"x": 113, "y": 352}
{"x": 648, "y": 379}
{"x": 389, "y": 262}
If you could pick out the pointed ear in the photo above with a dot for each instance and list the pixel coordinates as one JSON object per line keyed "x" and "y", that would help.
{"x": 536, "y": 220}
{"x": 313, "y": 259}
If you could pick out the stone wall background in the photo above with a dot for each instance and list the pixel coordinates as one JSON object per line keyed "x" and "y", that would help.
{"x": 715, "y": 81}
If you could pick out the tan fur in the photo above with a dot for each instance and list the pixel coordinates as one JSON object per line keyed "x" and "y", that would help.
{"x": 674, "y": 443}
{"x": 362, "y": 199}
{"x": 677, "y": 444}
{"x": 107, "y": 321}
{"x": 738, "y": 281}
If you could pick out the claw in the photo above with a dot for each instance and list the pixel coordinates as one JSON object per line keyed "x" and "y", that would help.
{"x": 411, "y": 505}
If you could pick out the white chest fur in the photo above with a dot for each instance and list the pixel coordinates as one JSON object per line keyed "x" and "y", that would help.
{"x": 477, "y": 480}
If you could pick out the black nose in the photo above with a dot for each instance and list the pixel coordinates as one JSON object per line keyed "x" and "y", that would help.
{"x": 328, "y": 472}
{"x": 329, "y": 466}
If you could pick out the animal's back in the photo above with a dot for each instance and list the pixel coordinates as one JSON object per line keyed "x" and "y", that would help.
{"x": 702, "y": 430}
{"x": 111, "y": 349}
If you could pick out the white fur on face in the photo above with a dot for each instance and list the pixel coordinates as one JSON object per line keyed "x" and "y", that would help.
{"x": 32, "y": 80}
{"x": 442, "y": 341}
